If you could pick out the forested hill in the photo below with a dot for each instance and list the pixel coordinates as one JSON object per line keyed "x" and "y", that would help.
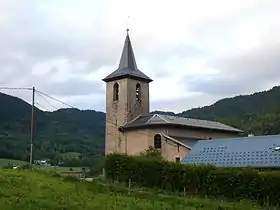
{"x": 72, "y": 130}
{"x": 258, "y": 113}
{"x": 65, "y": 130}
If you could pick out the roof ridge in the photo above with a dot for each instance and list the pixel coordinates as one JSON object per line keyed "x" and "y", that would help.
{"x": 136, "y": 118}
{"x": 175, "y": 140}
{"x": 148, "y": 121}
{"x": 181, "y": 121}
{"x": 160, "y": 116}
{"x": 203, "y": 120}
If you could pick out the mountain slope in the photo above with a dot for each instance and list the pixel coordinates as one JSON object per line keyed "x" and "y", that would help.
{"x": 258, "y": 113}
{"x": 65, "y": 130}
{"x": 72, "y": 130}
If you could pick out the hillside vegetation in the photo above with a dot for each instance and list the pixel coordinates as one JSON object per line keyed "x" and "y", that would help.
{"x": 37, "y": 190}
{"x": 72, "y": 130}
{"x": 62, "y": 131}
{"x": 258, "y": 113}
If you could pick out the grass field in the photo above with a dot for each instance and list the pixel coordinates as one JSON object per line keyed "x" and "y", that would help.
{"x": 4, "y": 162}
{"x": 58, "y": 169}
{"x": 30, "y": 190}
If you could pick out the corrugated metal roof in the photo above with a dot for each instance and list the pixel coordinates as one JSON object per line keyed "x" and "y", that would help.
{"x": 256, "y": 151}
{"x": 158, "y": 119}
{"x": 127, "y": 66}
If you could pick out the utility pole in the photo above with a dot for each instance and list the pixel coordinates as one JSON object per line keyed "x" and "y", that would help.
{"x": 32, "y": 127}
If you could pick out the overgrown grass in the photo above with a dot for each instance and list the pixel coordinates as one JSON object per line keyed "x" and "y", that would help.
{"x": 32, "y": 190}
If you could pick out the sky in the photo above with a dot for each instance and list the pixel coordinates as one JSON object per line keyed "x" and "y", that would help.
{"x": 197, "y": 52}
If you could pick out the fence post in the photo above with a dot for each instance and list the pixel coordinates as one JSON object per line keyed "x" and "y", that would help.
{"x": 103, "y": 172}
{"x": 129, "y": 185}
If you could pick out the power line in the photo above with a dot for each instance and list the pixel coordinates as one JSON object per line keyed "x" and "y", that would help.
{"x": 43, "y": 97}
{"x": 41, "y": 94}
{"x": 56, "y": 99}
{"x": 41, "y": 106}
{"x": 14, "y": 88}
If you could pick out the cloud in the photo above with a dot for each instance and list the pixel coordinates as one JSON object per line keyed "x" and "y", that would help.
{"x": 73, "y": 87}
{"x": 188, "y": 102}
{"x": 13, "y": 67}
{"x": 195, "y": 54}
{"x": 254, "y": 70}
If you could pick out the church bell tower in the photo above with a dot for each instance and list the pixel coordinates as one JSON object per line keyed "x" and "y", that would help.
{"x": 127, "y": 97}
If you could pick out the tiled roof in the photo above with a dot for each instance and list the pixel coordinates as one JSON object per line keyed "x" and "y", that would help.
{"x": 256, "y": 151}
{"x": 127, "y": 66}
{"x": 156, "y": 119}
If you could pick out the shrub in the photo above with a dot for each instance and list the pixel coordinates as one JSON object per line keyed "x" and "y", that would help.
{"x": 203, "y": 180}
{"x": 152, "y": 152}
{"x": 97, "y": 168}
{"x": 25, "y": 166}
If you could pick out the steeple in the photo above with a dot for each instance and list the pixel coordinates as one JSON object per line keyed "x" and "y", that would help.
{"x": 127, "y": 66}
{"x": 127, "y": 59}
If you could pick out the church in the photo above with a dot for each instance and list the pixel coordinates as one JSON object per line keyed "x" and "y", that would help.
{"x": 131, "y": 129}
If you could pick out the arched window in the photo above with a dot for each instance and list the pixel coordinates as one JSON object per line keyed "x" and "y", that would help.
{"x": 138, "y": 92}
{"x": 157, "y": 141}
{"x": 116, "y": 92}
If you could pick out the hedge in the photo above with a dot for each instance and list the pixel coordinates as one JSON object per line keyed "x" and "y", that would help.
{"x": 202, "y": 180}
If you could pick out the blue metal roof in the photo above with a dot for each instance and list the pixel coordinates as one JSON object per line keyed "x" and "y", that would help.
{"x": 255, "y": 151}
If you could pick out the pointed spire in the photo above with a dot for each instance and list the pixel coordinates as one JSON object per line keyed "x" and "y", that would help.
{"x": 127, "y": 59}
{"x": 127, "y": 66}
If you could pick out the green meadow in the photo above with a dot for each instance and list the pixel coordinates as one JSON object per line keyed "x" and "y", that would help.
{"x": 30, "y": 190}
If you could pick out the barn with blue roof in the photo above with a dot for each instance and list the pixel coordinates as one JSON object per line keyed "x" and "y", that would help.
{"x": 252, "y": 151}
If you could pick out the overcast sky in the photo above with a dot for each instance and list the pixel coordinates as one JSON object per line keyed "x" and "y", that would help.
{"x": 197, "y": 52}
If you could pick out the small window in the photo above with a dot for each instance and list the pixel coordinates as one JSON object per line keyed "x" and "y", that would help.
{"x": 177, "y": 159}
{"x": 157, "y": 141}
{"x": 116, "y": 92}
{"x": 138, "y": 92}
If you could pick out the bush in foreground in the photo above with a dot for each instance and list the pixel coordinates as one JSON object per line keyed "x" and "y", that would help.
{"x": 202, "y": 180}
